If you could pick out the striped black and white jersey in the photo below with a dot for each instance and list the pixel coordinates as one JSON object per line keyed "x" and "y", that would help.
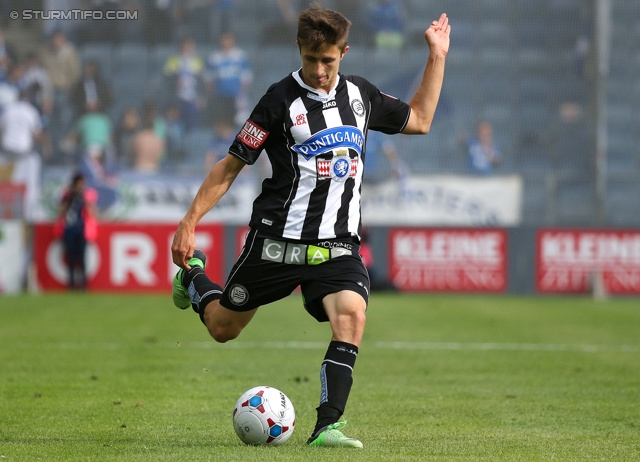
{"x": 316, "y": 145}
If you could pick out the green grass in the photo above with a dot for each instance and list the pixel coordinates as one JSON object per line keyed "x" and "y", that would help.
{"x": 442, "y": 378}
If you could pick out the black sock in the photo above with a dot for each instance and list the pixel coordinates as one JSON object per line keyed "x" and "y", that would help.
{"x": 336, "y": 380}
{"x": 202, "y": 290}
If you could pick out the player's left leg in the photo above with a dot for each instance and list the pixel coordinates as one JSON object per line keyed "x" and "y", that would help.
{"x": 346, "y": 313}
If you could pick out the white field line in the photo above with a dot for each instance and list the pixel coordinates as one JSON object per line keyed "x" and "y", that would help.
{"x": 433, "y": 346}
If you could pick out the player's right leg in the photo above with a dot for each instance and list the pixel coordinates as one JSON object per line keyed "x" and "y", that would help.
{"x": 224, "y": 324}
{"x": 181, "y": 281}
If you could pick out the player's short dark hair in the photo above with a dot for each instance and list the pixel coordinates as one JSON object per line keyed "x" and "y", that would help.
{"x": 318, "y": 26}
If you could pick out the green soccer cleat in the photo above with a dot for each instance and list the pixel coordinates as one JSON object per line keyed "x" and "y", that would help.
{"x": 179, "y": 292}
{"x": 332, "y": 437}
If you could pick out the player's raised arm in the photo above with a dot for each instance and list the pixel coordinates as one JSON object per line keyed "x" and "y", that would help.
{"x": 214, "y": 186}
{"x": 425, "y": 100}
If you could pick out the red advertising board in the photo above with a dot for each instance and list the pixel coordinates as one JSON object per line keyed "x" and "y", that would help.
{"x": 126, "y": 256}
{"x": 569, "y": 260}
{"x": 447, "y": 260}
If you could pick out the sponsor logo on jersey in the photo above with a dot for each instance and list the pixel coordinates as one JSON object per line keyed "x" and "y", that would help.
{"x": 329, "y": 104}
{"x": 301, "y": 119}
{"x": 329, "y": 139}
{"x": 252, "y": 135}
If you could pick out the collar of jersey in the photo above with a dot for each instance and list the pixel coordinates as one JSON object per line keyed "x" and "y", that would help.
{"x": 322, "y": 96}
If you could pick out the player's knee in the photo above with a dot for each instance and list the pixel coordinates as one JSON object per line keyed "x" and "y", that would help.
{"x": 223, "y": 334}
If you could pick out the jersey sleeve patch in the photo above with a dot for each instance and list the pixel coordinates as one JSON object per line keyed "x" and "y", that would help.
{"x": 252, "y": 135}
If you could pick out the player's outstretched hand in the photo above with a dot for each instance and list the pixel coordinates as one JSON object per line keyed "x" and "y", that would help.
{"x": 437, "y": 35}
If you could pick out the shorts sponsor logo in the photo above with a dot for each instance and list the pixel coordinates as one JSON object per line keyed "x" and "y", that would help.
{"x": 252, "y": 135}
{"x": 238, "y": 294}
{"x": 301, "y": 254}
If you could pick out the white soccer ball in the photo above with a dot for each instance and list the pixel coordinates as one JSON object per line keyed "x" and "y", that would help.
{"x": 264, "y": 416}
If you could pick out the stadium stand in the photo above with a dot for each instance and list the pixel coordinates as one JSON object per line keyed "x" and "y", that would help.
{"x": 515, "y": 63}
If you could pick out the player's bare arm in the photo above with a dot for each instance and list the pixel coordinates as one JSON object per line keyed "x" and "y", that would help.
{"x": 425, "y": 100}
{"x": 214, "y": 186}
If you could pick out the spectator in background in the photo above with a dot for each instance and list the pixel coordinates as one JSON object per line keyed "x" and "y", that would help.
{"x": 8, "y": 56}
{"x": 39, "y": 90}
{"x": 174, "y": 133}
{"x": 150, "y": 112}
{"x": 147, "y": 148}
{"x": 484, "y": 154}
{"x": 185, "y": 71}
{"x": 20, "y": 129}
{"x": 93, "y": 132}
{"x": 90, "y": 89}
{"x": 387, "y": 21}
{"x": 12, "y": 84}
{"x": 76, "y": 226}
{"x": 127, "y": 127}
{"x": 38, "y": 85}
{"x": 62, "y": 63}
{"x": 228, "y": 79}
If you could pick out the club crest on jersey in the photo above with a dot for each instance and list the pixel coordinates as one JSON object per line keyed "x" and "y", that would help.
{"x": 330, "y": 139}
{"x": 338, "y": 168}
{"x": 358, "y": 107}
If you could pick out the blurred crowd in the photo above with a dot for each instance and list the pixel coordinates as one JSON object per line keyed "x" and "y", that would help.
{"x": 57, "y": 108}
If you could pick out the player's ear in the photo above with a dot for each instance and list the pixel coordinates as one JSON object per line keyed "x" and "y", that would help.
{"x": 346, "y": 48}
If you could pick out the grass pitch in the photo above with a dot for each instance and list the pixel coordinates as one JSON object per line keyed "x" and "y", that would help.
{"x": 443, "y": 378}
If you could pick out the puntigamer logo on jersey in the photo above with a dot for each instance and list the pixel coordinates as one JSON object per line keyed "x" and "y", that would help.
{"x": 330, "y": 139}
{"x": 252, "y": 135}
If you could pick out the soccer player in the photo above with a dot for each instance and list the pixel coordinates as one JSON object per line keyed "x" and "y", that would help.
{"x": 305, "y": 227}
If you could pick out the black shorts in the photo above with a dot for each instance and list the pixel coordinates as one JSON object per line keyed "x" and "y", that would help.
{"x": 269, "y": 269}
